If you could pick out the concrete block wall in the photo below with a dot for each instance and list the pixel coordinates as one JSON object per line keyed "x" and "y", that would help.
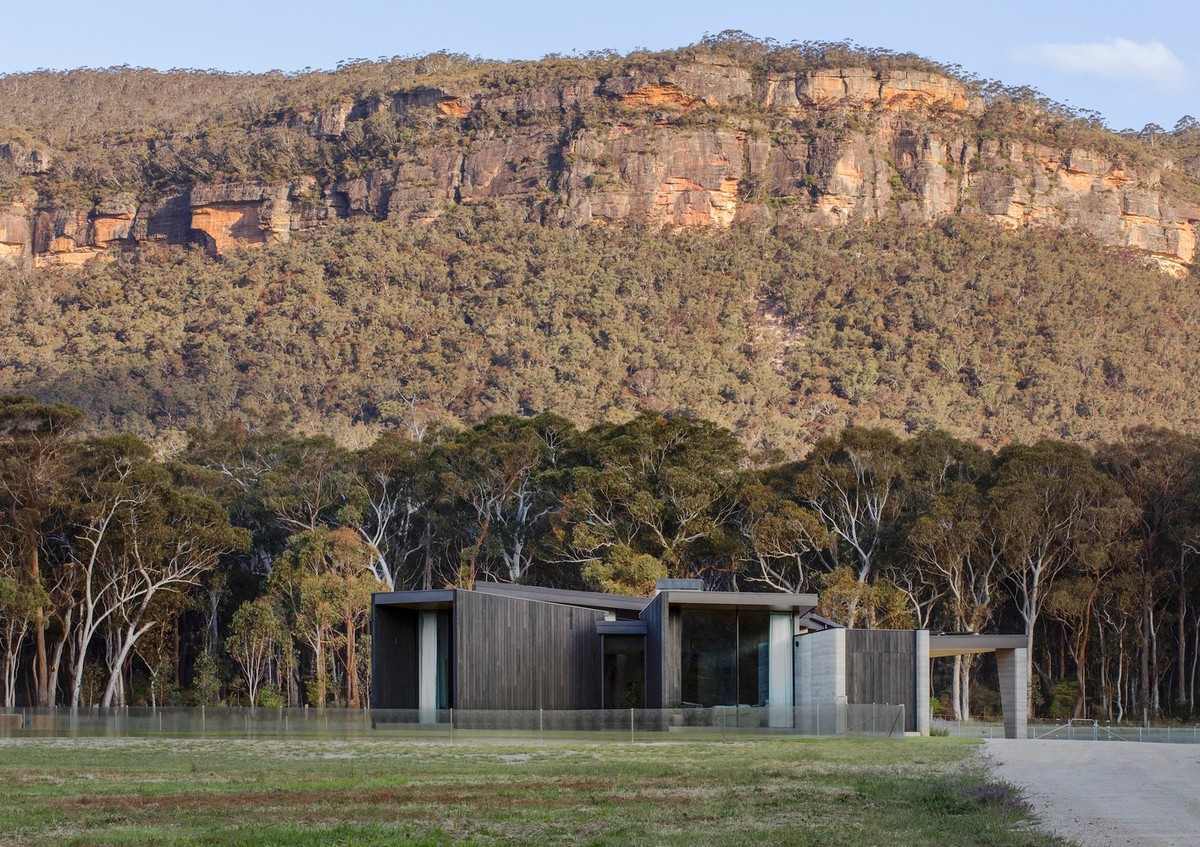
{"x": 820, "y": 671}
{"x": 921, "y": 667}
{"x": 1014, "y": 690}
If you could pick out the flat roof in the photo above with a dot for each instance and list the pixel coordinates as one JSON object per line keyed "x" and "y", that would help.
{"x": 586, "y": 599}
{"x": 967, "y": 643}
{"x": 440, "y": 596}
{"x": 608, "y": 602}
{"x": 741, "y": 599}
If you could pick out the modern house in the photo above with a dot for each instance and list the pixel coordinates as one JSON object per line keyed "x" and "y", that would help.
{"x": 516, "y": 647}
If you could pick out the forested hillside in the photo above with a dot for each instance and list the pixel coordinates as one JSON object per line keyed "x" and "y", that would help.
{"x": 783, "y": 334}
{"x": 783, "y": 239}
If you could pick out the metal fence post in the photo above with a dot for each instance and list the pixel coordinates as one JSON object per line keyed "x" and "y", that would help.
{"x": 541, "y": 727}
{"x": 630, "y": 724}
{"x": 451, "y": 724}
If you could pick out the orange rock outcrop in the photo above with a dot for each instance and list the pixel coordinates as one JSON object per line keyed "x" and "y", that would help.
{"x": 699, "y": 144}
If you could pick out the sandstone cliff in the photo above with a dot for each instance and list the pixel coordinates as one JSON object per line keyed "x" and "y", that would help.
{"x": 698, "y": 143}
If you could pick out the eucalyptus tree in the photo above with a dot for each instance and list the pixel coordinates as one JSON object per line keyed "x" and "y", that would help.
{"x": 951, "y": 567}
{"x": 171, "y": 540}
{"x": 19, "y": 602}
{"x": 229, "y": 461}
{"x": 855, "y": 483}
{"x": 1048, "y": 508}
{"x": 137, "y": 536}
{"x": 778, "y": 535}
{"x": 36, "y": 444}
{"x": 309, "y": 481}
{"x": 399, "y": 481}
{"x": 323, "y": 583}
{"x": 256, "y": 638}
{"x": 659, "y": 486}
{"x": 506, "y": 472}
{"x": 1159, "y": 471}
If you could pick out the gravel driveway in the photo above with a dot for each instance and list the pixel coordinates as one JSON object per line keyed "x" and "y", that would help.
{"x": 1108, "y": 793}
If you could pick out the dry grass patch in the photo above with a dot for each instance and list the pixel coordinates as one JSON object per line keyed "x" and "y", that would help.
{"x": 366, "y": 792}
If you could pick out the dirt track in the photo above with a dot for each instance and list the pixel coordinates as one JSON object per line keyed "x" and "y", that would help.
{"x": 1108, "y": 794}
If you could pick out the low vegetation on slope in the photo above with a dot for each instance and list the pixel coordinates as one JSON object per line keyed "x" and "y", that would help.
{"x": 783, "y": 334}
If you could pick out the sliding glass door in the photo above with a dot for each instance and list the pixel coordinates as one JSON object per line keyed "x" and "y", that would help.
{"x": 732, "y": 657}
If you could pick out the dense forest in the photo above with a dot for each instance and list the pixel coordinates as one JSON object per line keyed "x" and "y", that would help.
{"x": 240, "y": 569}
{"x": 782, "y": 334}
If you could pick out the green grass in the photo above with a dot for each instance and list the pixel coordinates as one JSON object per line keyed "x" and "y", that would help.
{"x": 158, "y": 792}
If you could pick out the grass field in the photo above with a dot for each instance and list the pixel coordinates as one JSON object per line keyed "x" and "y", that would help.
{"x": 852, "y": 792}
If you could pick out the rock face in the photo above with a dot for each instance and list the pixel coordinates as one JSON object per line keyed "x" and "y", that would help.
{"x": 702, "y": 144}
{"x": 14, "y": 231}
{"x": 16, "y": 159}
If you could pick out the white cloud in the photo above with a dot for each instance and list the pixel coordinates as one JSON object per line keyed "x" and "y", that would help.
{"x": 1117, "y": 58}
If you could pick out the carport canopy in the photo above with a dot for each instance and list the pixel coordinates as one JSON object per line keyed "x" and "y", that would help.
{"x": 1011, "y": 660}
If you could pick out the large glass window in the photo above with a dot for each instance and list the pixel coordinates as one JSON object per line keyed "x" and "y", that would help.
{"x": 754, "y": 661}
{"x": 708, "y": 657}
{"x": 725, "y": 657}
{"x": 624, "y": 672}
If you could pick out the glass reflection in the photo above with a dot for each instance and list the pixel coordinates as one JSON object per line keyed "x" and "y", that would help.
{"x": 724, "y": 657}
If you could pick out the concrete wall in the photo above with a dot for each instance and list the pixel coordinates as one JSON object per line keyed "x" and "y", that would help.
{"x": 922, "y": 696}
{"x": 1014, "y": 690}
{"x": 820, "y": 664}
{"x": 861, "y": 667}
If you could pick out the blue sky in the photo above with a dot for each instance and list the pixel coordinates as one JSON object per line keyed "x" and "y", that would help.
{"x": 1134, "y": 63}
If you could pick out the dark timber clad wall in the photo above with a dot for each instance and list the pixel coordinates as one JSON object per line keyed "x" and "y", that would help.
{"x": 522, "y": 654}
{"x": 394, "y": 669}
{"x": 880, "y": 668}
{"x": 656, "y": 638}
{"x": 672, "y": 660}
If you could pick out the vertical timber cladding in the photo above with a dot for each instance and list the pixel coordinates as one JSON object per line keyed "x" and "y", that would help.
{"x": 662, "y": 654}
{"x": 513, "y": 653}
{"x": 393, "y": 657}
{"x": 881, "y": 667}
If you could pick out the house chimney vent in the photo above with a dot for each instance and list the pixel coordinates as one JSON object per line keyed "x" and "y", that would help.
{"x": 678, "y": 585}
